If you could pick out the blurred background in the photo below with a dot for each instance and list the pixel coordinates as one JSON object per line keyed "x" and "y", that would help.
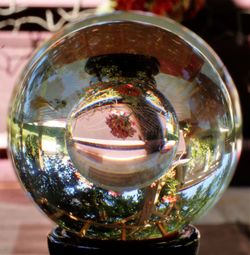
{"x": 25, "y": 24}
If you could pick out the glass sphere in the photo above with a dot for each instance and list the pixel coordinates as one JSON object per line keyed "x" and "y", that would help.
{"x": 125, "y": 126}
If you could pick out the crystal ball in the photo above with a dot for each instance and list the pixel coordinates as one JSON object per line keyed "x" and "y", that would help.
{"x": 125, "y": 126}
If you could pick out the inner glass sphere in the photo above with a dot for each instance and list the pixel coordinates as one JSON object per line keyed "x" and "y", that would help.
{"x": 125, "y": 126}
{"x": 123, "y": 133}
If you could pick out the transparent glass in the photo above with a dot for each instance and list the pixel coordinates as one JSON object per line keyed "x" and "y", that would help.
{"x": 125, "y": 126}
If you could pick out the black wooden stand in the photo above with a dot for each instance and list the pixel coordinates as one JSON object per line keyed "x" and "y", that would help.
{"x": 187, "y": 243}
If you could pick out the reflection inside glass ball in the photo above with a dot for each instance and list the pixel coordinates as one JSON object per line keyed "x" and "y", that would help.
{"x": 124, "y": 130}
{"x": 123, "y": 133}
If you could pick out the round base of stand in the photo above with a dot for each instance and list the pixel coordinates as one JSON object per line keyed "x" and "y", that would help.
{"x": 187, "y": 243}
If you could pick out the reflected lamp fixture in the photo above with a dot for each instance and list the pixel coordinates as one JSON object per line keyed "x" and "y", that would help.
{"x": 124, "y": 128}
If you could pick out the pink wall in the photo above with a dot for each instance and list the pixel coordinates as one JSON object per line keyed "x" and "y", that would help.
{"x": 15, "y": 50}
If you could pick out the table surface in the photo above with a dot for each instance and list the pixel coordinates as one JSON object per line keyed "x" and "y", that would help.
{"x": 224, "y": 230}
